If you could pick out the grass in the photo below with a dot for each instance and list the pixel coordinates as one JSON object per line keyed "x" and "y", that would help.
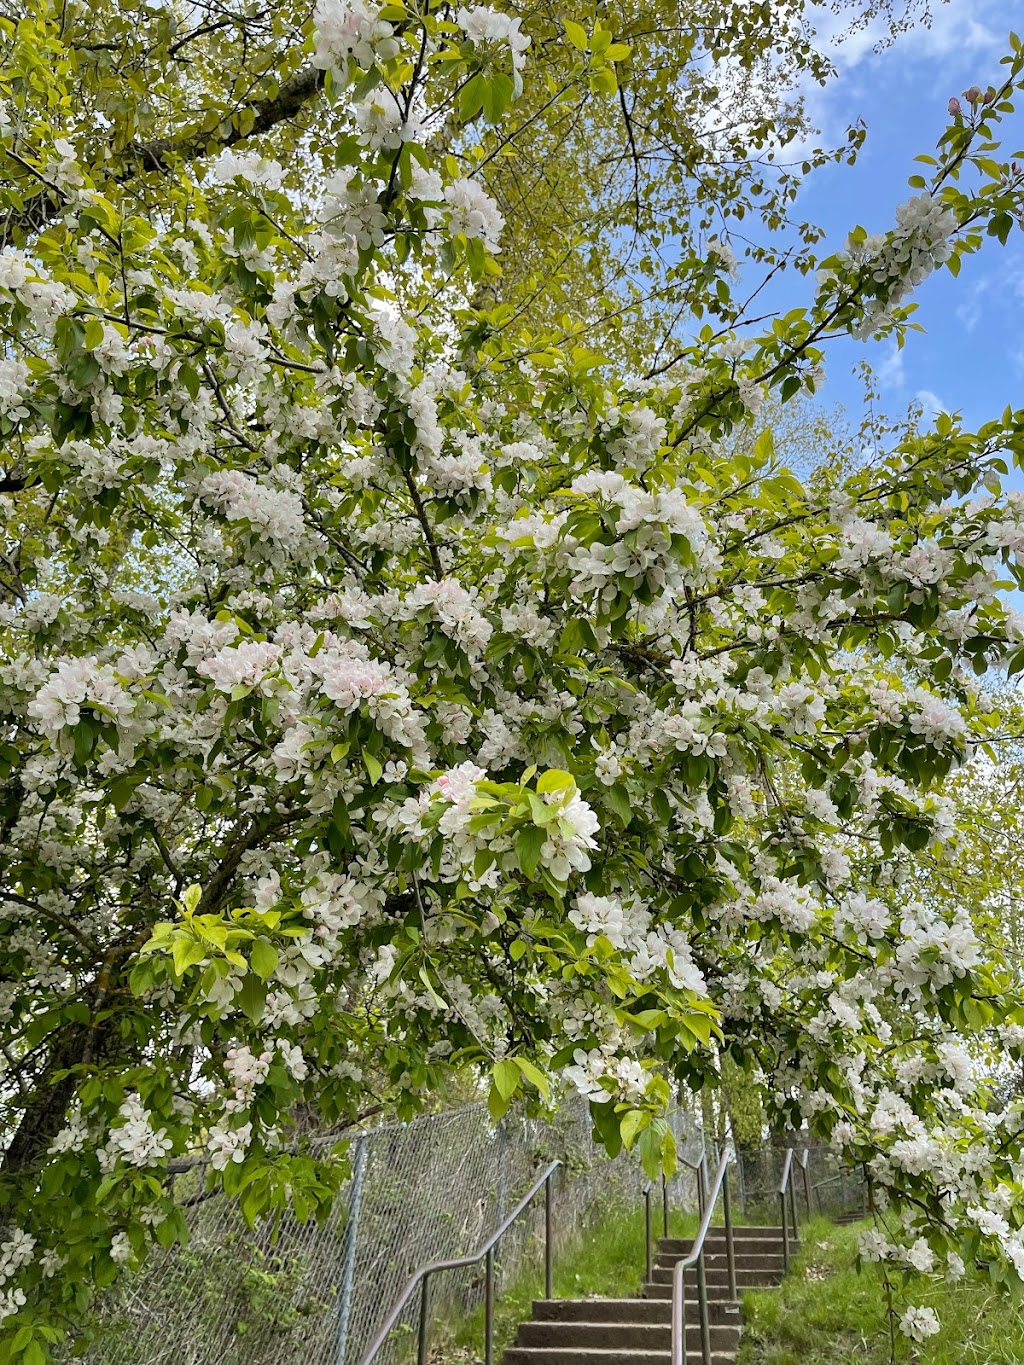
{"x": 825, "y": 1313}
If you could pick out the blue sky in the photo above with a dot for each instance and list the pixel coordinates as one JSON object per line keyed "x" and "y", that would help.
{"x": 971, "y": 356}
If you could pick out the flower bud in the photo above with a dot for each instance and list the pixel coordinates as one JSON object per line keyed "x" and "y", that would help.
{"x": 973, "y": 95}
{"x": 988, "y": 96}
{"x": 954, "y": 106}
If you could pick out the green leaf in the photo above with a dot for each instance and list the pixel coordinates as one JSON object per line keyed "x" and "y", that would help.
{"x": 534, "y": 1075}
{"x": 650, "y": 1151}
{"x": 425, "y": 978}
{"x": 251, "y": 998}
{"x": 631, "y": 1124}
{"x": 506, "y": 1077}
{"x": 529, "y": 842}
{"x": 263, "y": 958}
{"x": 496, "y": 1106}
{"x": 471, "y": 98}
{"x": 554, "y": 780}
{"x": 576, "y": 34}
{"x": 617, "y": 798}
{"x": 373, "y": 767}
{"x": 497, "y": 94}
{"x": 186, "y": 953}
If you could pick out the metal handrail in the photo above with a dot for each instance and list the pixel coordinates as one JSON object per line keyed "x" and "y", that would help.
{"x": 720, "y": 1185}
{"x": 486, "y": 1254}
{"x": 788, "y": 1186}
{"x": 700, "y": 1169}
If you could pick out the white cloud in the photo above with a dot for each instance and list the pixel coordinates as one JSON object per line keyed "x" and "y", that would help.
{"x": 889, "y": 372}
{"x": 957, "y": 27}
{"x": 930, "y": 403}
{"x": 969, "y": 313}
{"x": 960, "y": 46}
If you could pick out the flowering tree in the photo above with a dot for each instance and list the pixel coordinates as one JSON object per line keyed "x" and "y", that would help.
{"x": 388, "y": 688}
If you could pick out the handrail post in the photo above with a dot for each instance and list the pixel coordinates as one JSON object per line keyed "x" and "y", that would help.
{"x": 421, "y": 1353}
{"x": 647, "y": 1231}
{"x": 702, "y": 1299}
{"x": 792, "y": 1210}
{"x": 730, "y": 1249}
{"x": 664, "y": 1207}
{"x": 548, "y": 1276}
{"x": 679, "y": 1318}
{"x": 489, "y": 1309}
{"x": 807, "y": 1183}
{"x": 785, "y": 1233}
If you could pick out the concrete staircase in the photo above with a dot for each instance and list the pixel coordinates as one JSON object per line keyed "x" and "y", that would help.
{"x": 639, "y": 1331}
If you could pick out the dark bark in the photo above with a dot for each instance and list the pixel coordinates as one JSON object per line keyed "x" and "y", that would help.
{"x": 45, "y": 1113}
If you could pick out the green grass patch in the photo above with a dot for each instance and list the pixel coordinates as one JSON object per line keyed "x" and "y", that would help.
{"x": 826, "y": 1313}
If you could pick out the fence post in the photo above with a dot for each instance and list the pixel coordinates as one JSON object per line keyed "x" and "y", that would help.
{"x": 489, "y": 1309}
{"x": 348, "y": 1250}
{"x": 647, "y": 1232}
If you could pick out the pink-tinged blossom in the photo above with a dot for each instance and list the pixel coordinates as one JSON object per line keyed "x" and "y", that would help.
{"x": 247, "y": 664}
{"x": 457, "y": 613}
{"x": 273, "y": 513}
{"x": 459, "y": 784}
{"x": 76, "y": 683}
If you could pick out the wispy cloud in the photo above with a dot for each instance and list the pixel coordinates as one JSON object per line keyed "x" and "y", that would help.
{"x": 957, "y": 27}
{"x": 890, "y": 373}
{"x": 962, "y": 38}
{"x": 930, "y": 404}
{"x": 970, "y": 312}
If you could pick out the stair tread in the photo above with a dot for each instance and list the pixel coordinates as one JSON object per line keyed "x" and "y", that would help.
{"x": 600, "y": 1353}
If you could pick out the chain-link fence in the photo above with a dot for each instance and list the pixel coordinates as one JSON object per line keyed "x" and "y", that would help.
{"x": 829, "y": 1188}
{"x": 427, "y": 1190}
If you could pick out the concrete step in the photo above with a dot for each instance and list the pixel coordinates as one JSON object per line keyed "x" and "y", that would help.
{"x": 600, "y": 1310}
{"x": 770, "y": 1241}
{"x": 748, "y": 1260}
{"x": 716, "y": 1276}
{"x": 718, "y": 1294}
{"x": 543, "y": 1355}
{"x": 619, "y": 1336}
{"x": 625, "y": 1310}
{"x": 743, "y": 1231}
